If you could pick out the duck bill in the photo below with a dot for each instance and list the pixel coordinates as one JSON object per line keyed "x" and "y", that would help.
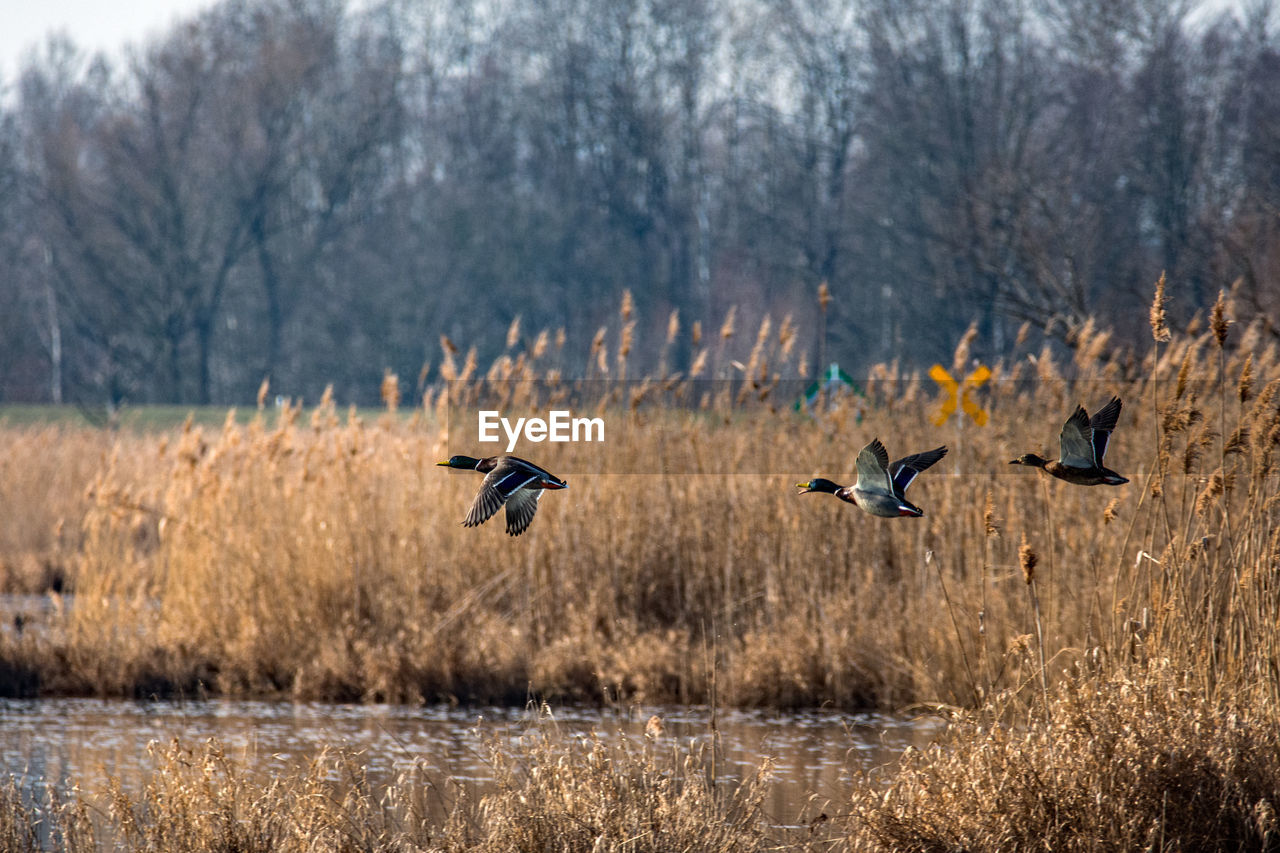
{"x": 445, "y": 463}
{"x": 804, "y": 487}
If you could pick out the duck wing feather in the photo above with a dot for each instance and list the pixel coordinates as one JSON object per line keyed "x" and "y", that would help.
{"x": 520, "y": 510}
{"x": 505, "y": 480}
{"x": 905, "y": 470}
{"x": 1102, "y": 424}
{"x": 1076, "y": 441}
{"x": 873, "y": 469}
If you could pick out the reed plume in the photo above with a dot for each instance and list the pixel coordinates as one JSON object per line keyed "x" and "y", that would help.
{"x": 1218, "y": 321}
{"x": 1159, "y": 326}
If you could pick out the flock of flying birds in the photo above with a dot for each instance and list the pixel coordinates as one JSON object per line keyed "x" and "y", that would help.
{"x": 880, "y": 489}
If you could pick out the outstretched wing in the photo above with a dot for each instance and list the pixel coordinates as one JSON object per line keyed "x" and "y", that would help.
{"x": 498, "y": 487}
{"x": 873, "y": 468}
{"x": 520, "y": 510}
{"x": 905, "y": 470}
{"x": 1102, "y": 424}
{"x": 1076, "y": 446}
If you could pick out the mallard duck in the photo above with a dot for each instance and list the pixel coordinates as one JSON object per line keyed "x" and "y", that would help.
{"x": 881, "y": 487}
{"x": 508, "y": 480}
{"x": 1083, "y": 444}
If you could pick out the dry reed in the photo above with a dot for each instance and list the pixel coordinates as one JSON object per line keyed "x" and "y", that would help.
{"x": 321, "y": 557}
{"x": 549, "y": 792}
{"x": 1138, "y": 760}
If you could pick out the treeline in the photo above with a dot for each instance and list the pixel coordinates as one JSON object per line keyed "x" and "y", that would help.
{"x": 316, "y": 191}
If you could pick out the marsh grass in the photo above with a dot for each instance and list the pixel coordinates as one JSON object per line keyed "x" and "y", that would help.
{"x": 319, "y": 555}
{"x": 592, "y": 793}
{"x": 1141, "y": 760}
{"x": 43, "y": 473}
{"x": 549, "y": 792}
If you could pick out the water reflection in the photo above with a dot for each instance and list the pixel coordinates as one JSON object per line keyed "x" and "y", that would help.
{"x": 60, "y": 742}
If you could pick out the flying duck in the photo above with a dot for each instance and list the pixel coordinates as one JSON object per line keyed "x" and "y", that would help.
{"x": 1083, "y": 444}
{"x": 508, "y": 480}
{"x": 881, "y": 487}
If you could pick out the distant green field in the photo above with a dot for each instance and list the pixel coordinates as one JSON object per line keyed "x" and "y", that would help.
{"x": 128, "y": 417}
{"x": 147, "y": 418}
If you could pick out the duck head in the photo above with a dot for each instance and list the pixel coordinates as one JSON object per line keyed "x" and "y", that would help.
{"x": 460, "y": 461}
{"x": 1030, "y": 459}
{"x": 818, "y": 485}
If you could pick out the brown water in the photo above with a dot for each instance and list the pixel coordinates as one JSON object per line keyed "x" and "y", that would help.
{"x": 60, "y": 742}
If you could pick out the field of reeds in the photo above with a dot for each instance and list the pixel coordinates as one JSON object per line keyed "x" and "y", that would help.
{"x": 1146, "y": 761}
{"x": 1111, "y": 656}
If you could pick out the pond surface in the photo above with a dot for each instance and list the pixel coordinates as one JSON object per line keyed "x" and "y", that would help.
{"x": 61, "y": 742}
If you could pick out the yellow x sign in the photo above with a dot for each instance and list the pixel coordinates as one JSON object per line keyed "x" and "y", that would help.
{"x": 939, "y": 374}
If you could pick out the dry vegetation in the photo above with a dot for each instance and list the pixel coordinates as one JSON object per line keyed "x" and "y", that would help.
{"x": 1148, "y": 761}
{"x": 551, "y": 793}
{"x": 1115, "y": 651}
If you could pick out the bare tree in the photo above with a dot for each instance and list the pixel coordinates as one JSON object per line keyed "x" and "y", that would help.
{"x": 315, "y": 190}
{"x": 1251, "y": 244}
{"x": 955, "y": 102}
{"x": 314, "y": 112}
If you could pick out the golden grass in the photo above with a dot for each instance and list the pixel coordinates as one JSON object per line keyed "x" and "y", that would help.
{"x": 322, "y": 557}
{"x": 1140, "y": 761}
{"x": 43, "y": 474}
{"x": 549, "y": 793}
{"x": 1111, "y": 656}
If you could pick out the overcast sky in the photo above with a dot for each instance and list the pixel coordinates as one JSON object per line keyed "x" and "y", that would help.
{"x": 105, "y": 25}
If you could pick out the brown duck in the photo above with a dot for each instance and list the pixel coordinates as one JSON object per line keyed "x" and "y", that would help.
{"x": 511, "y": 481}
{"x": 1083, "y": 444}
